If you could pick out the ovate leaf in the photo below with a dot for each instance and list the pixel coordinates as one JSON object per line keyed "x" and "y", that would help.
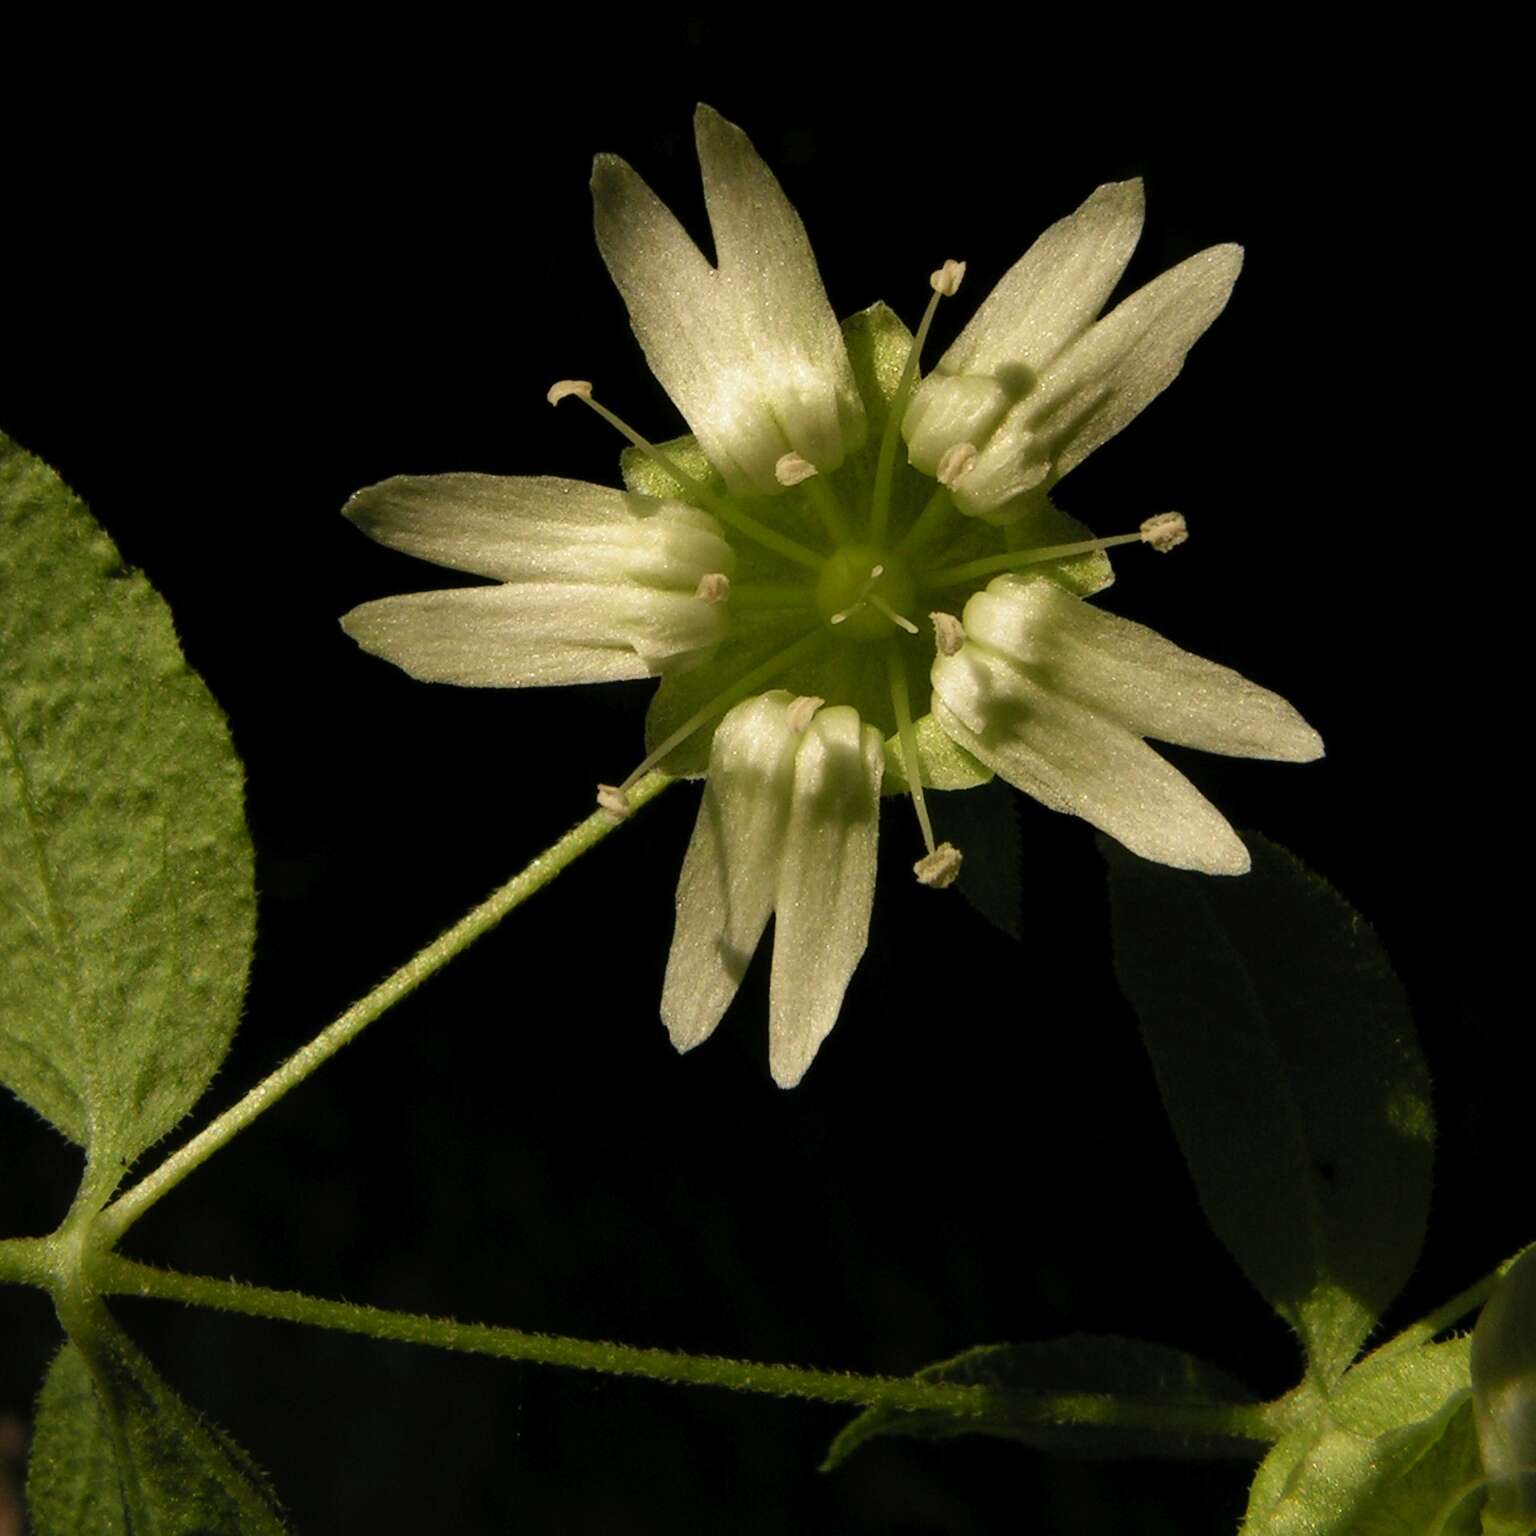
{"x": 1287, "y": 1061}
{"x": 125, "y": 868}
{"x": 1392, "y": 1452}
{"x": 1031, "y": 1387}
{"x": 117, "y": 1453}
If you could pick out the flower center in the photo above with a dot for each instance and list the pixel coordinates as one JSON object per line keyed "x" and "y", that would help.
{"x": 866, "y": 592}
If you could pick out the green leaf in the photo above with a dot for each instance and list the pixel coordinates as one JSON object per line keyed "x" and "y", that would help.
{"x": 1393, "y": 1452}
{"x": 117, "y": 1453}
{"x": 1175, "y": 1392}
{"x": 1286, "y": 1058}
{"x": 126, "y": 902}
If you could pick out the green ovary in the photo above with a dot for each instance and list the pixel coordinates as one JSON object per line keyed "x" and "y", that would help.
{"x": 846, "y": 588}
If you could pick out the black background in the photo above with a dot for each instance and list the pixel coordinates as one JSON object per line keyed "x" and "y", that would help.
{"x": 238, "y": 292}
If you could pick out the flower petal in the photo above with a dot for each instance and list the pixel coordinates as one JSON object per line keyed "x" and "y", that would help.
{"x": 1131, "y": 356}
{"x": 1055, "y": 291}
{"x": 730, "y": 872}
{"x": 1045, "y": 301}
{"x": 532, "y": 635}
{"x": 540, "y": 528}
{"x": 750, "y": 352}
{"x": 1133, "y": 674}
{"x": 826, "y": 886}
{"x": 1074, "y": 760}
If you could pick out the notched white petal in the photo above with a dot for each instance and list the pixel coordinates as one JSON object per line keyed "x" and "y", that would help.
{"x": 1055, "y": 696}
{"x": 748, "y": 349}
{"x": 597, "y": 584}
{"x": 826, "y": 885}
{"x": 1052, "y": 294}
{"x": 1131, "y": 673}
{"x": 1087, "y": 765}
{"x": 730, "y": 872}
{"x": 1119, "y": 367}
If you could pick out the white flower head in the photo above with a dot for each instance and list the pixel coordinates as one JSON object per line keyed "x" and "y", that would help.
{"x": 835, "y": 614}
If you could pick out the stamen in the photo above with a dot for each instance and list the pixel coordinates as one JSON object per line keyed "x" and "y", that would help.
{"x": 690, "y": 484}
{"x": 906, "y": 735}
{"x": 945, "y": 281}
{"x": 958, "y": 460}
{"x": 933, "y": 516}
{"x": 1161, "y": 533}
{"x": 713, "y": 587}
{"x": 799, "y": 714}
{"x": 613, "y": 799}
{"x": 725, "y": 700}
{"x": 828, "y": 508}
{"x": 791, "y": 469}
{"x": 939, "y": 868}
{"x": 1165, "y": 531}
{"x": 948, "y": 633}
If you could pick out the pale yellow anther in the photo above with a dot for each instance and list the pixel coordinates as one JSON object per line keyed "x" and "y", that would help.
{"x": 614, "y": 800}
{"x": 799, "y": 714}
{"x": 948, "y": 633}
{"x": 939, "y": 868}
{"x": 947, "y": 279}
{"x": 791, "y": 469}
{"x": 714, "y": 587}
{"x": 957, "y": 460}
{"x": 1165, "y": 531}
{"x": 558, "y": 391}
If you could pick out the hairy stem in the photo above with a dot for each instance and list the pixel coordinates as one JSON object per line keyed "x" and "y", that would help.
{"x": 26, "y": 1261}
{"x": 128, "y": 1207}
{"x": 112, "y": 1274}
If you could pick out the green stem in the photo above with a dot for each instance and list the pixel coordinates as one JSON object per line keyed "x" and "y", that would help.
{"x": 1448, "y": 1313}
{"x": 114, "y": 1275}
{"x": 26, "y": 1261}
{"x": 111, "y": 1274}
{"x": 127, "y": 1208}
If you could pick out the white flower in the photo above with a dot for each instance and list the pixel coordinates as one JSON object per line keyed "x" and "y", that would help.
{"x": 933, "y": 600}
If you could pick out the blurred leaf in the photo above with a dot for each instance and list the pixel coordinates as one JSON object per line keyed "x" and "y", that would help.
{"x": 1287, "y": 1062}
{"x": 125, "y": 869}
{"x": 1392, "y": 1453}
{"x": 117, "y": 1453}
{"x": 1029, "y": 1379}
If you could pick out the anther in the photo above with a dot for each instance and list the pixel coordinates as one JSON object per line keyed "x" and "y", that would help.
{"x": 714, "y": 587}
{"x": 565, "y": 387}
{"x": 948, "y": 633}
{"x": 959, "y": 459}
{"x": 947, "y": 279}
{"x": 800, "y": 712}
{"x": 791, "y": 469}
{"x": 1165, "y": 531}
{"x": 939, "y": 868}
{"x": 614, "y": 800}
